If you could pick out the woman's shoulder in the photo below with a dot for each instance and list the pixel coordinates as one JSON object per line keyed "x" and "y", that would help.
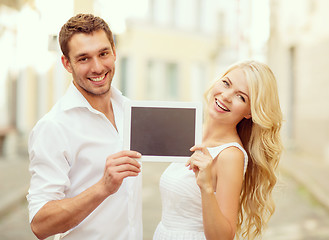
{"x": 227, "y": 148}
{"x": 230, "y": 155}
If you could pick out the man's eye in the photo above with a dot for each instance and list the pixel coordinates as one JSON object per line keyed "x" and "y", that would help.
{"x": 83, "y": 59}
{"x": 104, "y": 54}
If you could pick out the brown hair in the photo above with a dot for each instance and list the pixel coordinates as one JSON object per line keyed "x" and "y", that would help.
{"x": 82, "y": 23}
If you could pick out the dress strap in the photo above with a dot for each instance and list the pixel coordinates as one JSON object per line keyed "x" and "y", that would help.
{"x": 214, "y": 151}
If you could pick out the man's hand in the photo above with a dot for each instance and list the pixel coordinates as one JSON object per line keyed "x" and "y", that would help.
{"x": 119, "y": 166}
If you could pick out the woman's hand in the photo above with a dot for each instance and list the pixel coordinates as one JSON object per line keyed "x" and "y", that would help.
{"x": 201, "y": 163}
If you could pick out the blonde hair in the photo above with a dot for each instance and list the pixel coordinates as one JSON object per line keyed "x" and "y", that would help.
{"x": 260, "y": 136}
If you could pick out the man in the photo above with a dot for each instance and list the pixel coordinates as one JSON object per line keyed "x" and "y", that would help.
{"x": 83, "y": 185}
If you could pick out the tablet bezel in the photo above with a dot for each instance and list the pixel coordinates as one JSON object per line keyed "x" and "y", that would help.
{"x": 161, "y": 104}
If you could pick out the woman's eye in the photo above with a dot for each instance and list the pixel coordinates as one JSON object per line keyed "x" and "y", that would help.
{"x": 242, "y": 98}
{"x": 225, "y": 83}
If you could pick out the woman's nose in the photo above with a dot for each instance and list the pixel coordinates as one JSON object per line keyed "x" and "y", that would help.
{"x": 227, "y": 96}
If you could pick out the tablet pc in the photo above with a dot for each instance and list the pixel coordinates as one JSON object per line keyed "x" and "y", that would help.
{"x": 162, "y": 131}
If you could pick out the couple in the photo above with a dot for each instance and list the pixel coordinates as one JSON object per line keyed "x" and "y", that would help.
{"x": 84, "y": 186}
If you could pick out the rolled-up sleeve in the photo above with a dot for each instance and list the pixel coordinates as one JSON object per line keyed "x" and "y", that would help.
{"x": 49, "y": 165}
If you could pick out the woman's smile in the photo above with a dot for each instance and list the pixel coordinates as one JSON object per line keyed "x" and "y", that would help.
{"x": 221, "y": 105}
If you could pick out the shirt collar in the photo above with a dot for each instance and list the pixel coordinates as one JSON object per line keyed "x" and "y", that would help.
{"x": 75, "y": 99}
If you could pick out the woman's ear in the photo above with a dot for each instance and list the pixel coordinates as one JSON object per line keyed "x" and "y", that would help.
{"x": 248, "y": 116}
{"x": 66, "y": 63}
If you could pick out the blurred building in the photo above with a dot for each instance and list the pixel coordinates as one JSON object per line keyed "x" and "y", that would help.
{"x": 32, "y": 78}
{"x": 179, "y": 46}
{"x": 166, "y": 53}
{"x": 297, "y": 51}
{"x": 166, "y": 50}
{"x": 170, "y": 53}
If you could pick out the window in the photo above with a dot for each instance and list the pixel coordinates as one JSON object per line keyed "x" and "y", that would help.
{"x": 162, "y": 81}
{"x": 172, "y": 84}
{"x": 198, "y": 77}
{"x": 124, "y": 75}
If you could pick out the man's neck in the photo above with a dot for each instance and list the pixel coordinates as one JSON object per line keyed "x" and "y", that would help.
{"x": 104, "y": 105}
{"x": 101, "y": 103}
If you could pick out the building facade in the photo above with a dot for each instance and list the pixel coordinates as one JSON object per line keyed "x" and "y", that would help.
{"x": 297, "y": 51}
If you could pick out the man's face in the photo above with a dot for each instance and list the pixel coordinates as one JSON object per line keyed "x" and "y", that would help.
{"x": 91, "y": 62}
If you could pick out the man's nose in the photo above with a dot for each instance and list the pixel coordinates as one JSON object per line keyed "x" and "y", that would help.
{"x": 97, "y": 66}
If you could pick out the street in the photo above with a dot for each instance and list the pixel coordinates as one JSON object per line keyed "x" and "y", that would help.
{"x": 297, "y": 216}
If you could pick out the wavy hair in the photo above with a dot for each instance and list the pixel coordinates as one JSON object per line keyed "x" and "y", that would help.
{"x": 261, "y": 139}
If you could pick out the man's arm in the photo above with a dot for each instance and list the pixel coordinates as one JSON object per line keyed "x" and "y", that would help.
{"x": 59, "y": 216}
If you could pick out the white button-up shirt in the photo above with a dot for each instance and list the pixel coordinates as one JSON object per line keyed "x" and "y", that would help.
{"x": 68, "y": 148}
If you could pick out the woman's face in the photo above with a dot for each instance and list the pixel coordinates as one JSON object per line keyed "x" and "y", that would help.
{"x": 229, "y": 100}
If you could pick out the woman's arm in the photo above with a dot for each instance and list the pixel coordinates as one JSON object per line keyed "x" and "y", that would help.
{"x": 224, "y": 175}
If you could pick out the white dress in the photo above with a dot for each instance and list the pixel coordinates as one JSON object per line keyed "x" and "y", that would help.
{"x": 181, "y": 201}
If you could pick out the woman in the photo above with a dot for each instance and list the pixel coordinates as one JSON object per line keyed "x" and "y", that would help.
{"x": 225, "y": 188}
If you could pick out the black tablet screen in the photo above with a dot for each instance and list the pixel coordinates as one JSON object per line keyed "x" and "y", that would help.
{"x": 162, "y": 131}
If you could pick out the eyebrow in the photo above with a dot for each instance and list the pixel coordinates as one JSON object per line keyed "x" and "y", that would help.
{"x": 80, "y": 55}
{"x": 228, "y": 79}
{"x": 86, "y": 54}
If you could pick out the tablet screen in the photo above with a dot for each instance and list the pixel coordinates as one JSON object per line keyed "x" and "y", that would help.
{"x": 162, "y": 131}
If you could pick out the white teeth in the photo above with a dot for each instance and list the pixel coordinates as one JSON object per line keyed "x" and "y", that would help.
{"x": 97, "y": 79}
{"x": 221, "y": 106}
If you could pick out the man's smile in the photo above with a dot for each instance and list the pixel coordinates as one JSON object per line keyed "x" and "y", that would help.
{"x": 97, "y": 79}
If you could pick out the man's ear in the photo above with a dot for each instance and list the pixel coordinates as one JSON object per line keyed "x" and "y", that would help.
{"x": 114, "y": 52}
{"x": 66, "y": 63}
